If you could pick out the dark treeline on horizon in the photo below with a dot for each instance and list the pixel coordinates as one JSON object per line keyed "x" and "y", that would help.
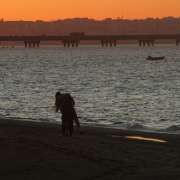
{"x": 166, "y": 25}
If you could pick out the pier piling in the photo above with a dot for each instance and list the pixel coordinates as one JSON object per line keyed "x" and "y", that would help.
{"x": 32, "y": 43}
{"x": 143, "y": 43}
{"x": 177, "y": 42}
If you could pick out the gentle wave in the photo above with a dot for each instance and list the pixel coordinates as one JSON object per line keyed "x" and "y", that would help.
{"x": 174, "y": 128}
{"x": 113, "y": 87}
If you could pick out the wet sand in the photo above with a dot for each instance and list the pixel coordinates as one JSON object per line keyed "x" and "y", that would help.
{"x": 38, "y": 151}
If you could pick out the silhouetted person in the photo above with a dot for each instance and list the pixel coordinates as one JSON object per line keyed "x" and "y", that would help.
{"x": 65, "y": 103}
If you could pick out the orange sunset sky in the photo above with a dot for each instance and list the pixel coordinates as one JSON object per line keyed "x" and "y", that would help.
{"x": 98, "y": 9}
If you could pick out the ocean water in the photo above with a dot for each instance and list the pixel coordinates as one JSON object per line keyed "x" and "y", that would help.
{"x": 112, "y": 87}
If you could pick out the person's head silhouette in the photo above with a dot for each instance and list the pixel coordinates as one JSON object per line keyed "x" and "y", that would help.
{"x": 58, "y": 93}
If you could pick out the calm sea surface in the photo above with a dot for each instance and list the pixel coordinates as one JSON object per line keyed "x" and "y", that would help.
{"x": 114, "y": 87}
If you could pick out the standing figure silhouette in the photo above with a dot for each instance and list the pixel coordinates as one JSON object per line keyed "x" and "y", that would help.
{"x": 65, "y": 103}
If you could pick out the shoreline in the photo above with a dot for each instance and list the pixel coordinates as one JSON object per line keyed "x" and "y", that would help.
{"x": 33, "y": 150}
{"x": 37, "y": 122}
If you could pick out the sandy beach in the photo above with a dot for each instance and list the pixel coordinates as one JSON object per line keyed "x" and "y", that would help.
{"x": 35, "y": 151}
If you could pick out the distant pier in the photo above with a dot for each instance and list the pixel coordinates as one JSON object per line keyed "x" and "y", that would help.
{"x": 74, "y": 39}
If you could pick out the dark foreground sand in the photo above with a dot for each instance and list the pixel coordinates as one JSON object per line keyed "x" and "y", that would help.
{"x": 36, "y": 151}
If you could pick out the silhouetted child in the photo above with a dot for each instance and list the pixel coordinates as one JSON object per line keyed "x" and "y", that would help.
{"x": 65, "y": 103}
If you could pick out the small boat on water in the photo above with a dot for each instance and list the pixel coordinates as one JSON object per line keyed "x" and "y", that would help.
{"x": 155, "y": 58}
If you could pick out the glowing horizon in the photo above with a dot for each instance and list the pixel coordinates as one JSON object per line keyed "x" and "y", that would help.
{"x": 48, "y": 10}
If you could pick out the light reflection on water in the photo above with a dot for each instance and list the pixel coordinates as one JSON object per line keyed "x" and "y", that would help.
{"x": 111, "y": 86}
{"x": 142, "y": 138}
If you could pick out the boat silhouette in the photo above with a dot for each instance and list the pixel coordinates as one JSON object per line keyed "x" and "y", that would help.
{"x": 155, "y": 58}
